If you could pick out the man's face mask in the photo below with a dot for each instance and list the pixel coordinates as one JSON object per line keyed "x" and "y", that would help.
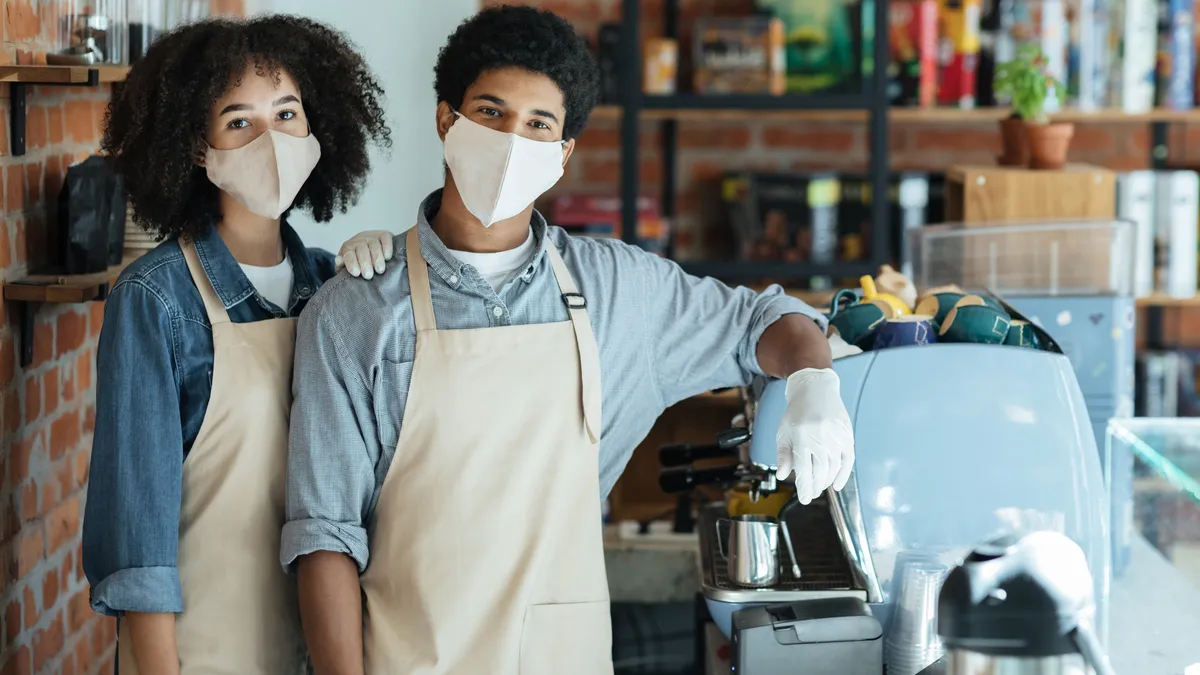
{"x": 499, "y": 174}
{"x": 266, "y": 174}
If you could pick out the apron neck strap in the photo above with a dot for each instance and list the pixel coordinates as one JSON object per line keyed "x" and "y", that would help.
{"x": 212, "y": 303}
{"x": 418, "y": 283}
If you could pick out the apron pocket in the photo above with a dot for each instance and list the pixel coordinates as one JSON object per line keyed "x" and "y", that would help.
{"x": 573, "y": 638}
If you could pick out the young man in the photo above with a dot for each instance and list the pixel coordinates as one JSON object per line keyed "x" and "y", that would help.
{"x": 458, "y": 419}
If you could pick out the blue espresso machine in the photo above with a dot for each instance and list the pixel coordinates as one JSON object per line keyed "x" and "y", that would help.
{"x": 954, "y": 442}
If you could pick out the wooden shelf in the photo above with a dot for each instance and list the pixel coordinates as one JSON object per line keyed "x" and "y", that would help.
{"x": 61, "y": 289}
{"x": 1167, "y": 301}
{"x": 915, "y": 116}
{"x": 60, "y": 75}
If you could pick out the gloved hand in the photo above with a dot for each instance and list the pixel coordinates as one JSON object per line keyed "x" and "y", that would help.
{"x": 365, "y": 253}
{"x": 815, "y": 437}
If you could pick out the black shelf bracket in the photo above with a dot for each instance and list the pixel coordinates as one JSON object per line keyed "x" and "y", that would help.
{"x": 17, "y": 108}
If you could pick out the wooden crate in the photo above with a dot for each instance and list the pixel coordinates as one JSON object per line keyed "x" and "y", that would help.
{"x": 994, "y": 196}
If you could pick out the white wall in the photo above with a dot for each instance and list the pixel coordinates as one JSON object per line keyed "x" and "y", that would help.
{"x": 400, "y": 39}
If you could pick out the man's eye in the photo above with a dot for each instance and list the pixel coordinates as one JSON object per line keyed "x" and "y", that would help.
{"x": 540, "y": 125}
{"x": 490, "y": 112}
{"x": 286, "y": 115}
{"x": 239, "y": 124}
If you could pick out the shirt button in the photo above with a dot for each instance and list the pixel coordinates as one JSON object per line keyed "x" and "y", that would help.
{"x": 453, "y": 279}
{"x": 497, "y": 312}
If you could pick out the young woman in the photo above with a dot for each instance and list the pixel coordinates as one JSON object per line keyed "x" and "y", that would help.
{"x": 221, "y": 129}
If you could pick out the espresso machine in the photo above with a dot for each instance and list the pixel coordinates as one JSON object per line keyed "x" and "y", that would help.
{"x": 953, "y": 443}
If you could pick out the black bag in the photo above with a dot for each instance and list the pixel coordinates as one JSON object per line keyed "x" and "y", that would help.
{"x": 90, "y": 235}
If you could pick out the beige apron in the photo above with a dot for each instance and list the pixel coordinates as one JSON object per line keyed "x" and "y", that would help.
{"x": 240, "y": 610}
{"x": 486, "y": 542}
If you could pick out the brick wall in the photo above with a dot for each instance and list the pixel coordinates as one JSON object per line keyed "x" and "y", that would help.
{"x": 49, "y": 407}
{"x": 708, "y": 148}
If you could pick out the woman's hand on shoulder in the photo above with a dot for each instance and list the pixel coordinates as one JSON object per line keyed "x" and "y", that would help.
{"x": 365, "y": 254}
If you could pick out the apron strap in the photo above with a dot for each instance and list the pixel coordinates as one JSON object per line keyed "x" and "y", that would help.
{"x": 589, "y": 353}
{"x": 212, "y": 303}
{"x": 418, "y": 283}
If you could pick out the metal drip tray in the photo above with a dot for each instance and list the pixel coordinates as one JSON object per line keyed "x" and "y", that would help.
{"x": 823, "y": 566}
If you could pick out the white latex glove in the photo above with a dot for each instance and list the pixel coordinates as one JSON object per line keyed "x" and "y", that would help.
{"x": 815, "y": 437}
{"x": 365, "y": 254}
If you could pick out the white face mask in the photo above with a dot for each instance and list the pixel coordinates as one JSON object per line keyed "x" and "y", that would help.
{"x": 499, "y": 174}
{"x": 266, "y": 174}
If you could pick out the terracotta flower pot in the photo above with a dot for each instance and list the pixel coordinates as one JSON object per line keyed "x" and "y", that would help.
{"x": 1048, "y": 144}
{"x": 1016, "y": 142}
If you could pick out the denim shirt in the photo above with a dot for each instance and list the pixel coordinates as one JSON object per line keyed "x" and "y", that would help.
{"x": 154, "y": 376}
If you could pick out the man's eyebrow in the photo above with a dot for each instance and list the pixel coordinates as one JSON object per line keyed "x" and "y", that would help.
{"x": 547, "y": 114}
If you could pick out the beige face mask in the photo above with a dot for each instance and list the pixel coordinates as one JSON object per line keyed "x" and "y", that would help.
{"x": 266, "y": 174}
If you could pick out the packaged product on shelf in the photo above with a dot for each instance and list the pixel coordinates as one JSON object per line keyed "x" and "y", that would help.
{"x": 1176, "y": 62}
{"x": 958, "y": 35}
{"x": 912, "y": 35}
{"x": 824, "y": 43}
{"x": 908, "y": 199}
{"x": 1088, "y": 57}
{"x": 661, "y": 65}
{"x": 1133, "y": 42}
{"x": 600, "y": 216}
{"x": 781, "y": 216}
{"x": 738, "y": 56}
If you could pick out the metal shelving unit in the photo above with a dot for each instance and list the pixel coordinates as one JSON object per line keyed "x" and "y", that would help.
{"x": 872, "y": 100}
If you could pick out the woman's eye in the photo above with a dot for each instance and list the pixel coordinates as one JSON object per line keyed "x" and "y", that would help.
{"x": 286, "y": 115}
{"x": 239, "y": 124}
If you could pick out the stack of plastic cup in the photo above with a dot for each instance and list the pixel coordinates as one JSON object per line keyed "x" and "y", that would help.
{"x": 914, "y": 643}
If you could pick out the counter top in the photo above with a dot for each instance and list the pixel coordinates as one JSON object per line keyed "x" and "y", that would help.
{"x": 1153, "y": 617}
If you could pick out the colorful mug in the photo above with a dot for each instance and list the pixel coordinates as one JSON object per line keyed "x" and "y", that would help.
{"x": 974, "y": 320}
{"x": 859, "y": 319}
{"x": 1021, "y": 334}
{"x": 905, "y": 331}
{"x": 938, "y": 305}
{"x": 872, "y": 294}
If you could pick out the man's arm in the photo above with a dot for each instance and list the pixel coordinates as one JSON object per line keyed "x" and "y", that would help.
{"x": 333, "y": 448}
{"x": 703, "y": 335}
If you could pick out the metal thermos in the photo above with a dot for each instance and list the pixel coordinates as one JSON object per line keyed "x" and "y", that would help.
{"x": 1021, "y": 605}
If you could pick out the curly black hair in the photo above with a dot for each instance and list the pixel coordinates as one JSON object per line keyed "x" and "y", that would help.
{"x": 155, "y": 124}
{"x": 536, "y": 40}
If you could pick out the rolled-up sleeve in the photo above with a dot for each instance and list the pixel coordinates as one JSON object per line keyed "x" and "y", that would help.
{"x": 702, "y": 334}
{"x": 330, "y": 469}
{"x": 131, "y": 520}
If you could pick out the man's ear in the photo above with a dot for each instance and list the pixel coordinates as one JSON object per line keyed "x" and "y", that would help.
{"x": 568, "y": 148}
{"x": 444, "y": 119}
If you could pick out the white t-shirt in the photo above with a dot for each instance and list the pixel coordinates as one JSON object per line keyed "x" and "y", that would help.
{"x": 273, "y": 283}
{"x": 497, "y": 268}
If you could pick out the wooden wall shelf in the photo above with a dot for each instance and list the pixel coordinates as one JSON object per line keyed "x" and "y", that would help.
{"x": 915, "y": 116}
{"x": 35, "y": 289}
{"x": 61, "y": 75}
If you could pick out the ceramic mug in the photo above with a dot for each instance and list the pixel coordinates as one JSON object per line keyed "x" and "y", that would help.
{"x": 1021, "y": 334}
{"x": 974, "y": 320}
{"x": 872, "y": 295}
{"x": 938, "y": 305}
{"x": 905, "y": 331}
{"x": 858, "y": 320}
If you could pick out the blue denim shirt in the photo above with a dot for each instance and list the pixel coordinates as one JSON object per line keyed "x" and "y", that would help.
{"x": 154, "y": 374}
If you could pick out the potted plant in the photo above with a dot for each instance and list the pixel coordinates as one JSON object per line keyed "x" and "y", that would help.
{"x": 1027, "y": 83}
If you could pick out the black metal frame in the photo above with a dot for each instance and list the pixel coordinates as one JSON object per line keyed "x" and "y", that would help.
{"x": 1160, "y": 150}
{"x": 633, "y": 101}
{"x": 17, "y": 108}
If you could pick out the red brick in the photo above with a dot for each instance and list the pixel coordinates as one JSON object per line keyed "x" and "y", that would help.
{"x": 609, "y": 171}
{"x": 33, "y": 178}
{"x": 5, "y": 253}
{"x": 12, "y": 622}
{"x": 715, "y": 138}
{"x": 32, "y": 613}
{"x": 68, "y": 383}
{"x": 66, "y": 478}
{"x": 81, "y": 121}
{"x": 68, "y": 566}
{"x": 37, "y": 131}
{"x": 33, "y": 399}
{"x": 72, "y": 331}
{"x": 14, "y": 188}
{"x": 1092, "y": 138}
{"x": 828, "y": 139}
{"x": 83, "y": 370}
{"x": 83, "y": 462}
{"x": 52, "y": 389}
{"x": 598, "y": 137}
{"x": 50, "y": 589}
{"x": 55, "y": 121}
{"x": 29, "y": 551}
{"x": 89, "y": 418}
{"x": 12, "y": 412}
{"x": 79, "y": 610}
{"x": 29, "y": 501}
{"x": 43, "y": 343}
{"x": 17, "y": 663}
{"x": 957, "y": 140}
{"x": 64, "y": 435}
{"x": 19, "y": 252}
{"x": 23, "y": 22}
{"x": 62, "y": 524}
{"x": 48, "y": 643}
{"x": 83, "y": 655}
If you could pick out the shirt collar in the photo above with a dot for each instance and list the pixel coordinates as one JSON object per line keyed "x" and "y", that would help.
{"x": 443, "y": 263}
{"x": 230, "y": 282}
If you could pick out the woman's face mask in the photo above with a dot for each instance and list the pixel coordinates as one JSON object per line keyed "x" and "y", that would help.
{"x": 258, "y": 148}
{"x": 500, "y": 174}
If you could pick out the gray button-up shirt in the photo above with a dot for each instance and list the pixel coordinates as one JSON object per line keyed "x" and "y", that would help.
{"x": 663, "y": 336}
